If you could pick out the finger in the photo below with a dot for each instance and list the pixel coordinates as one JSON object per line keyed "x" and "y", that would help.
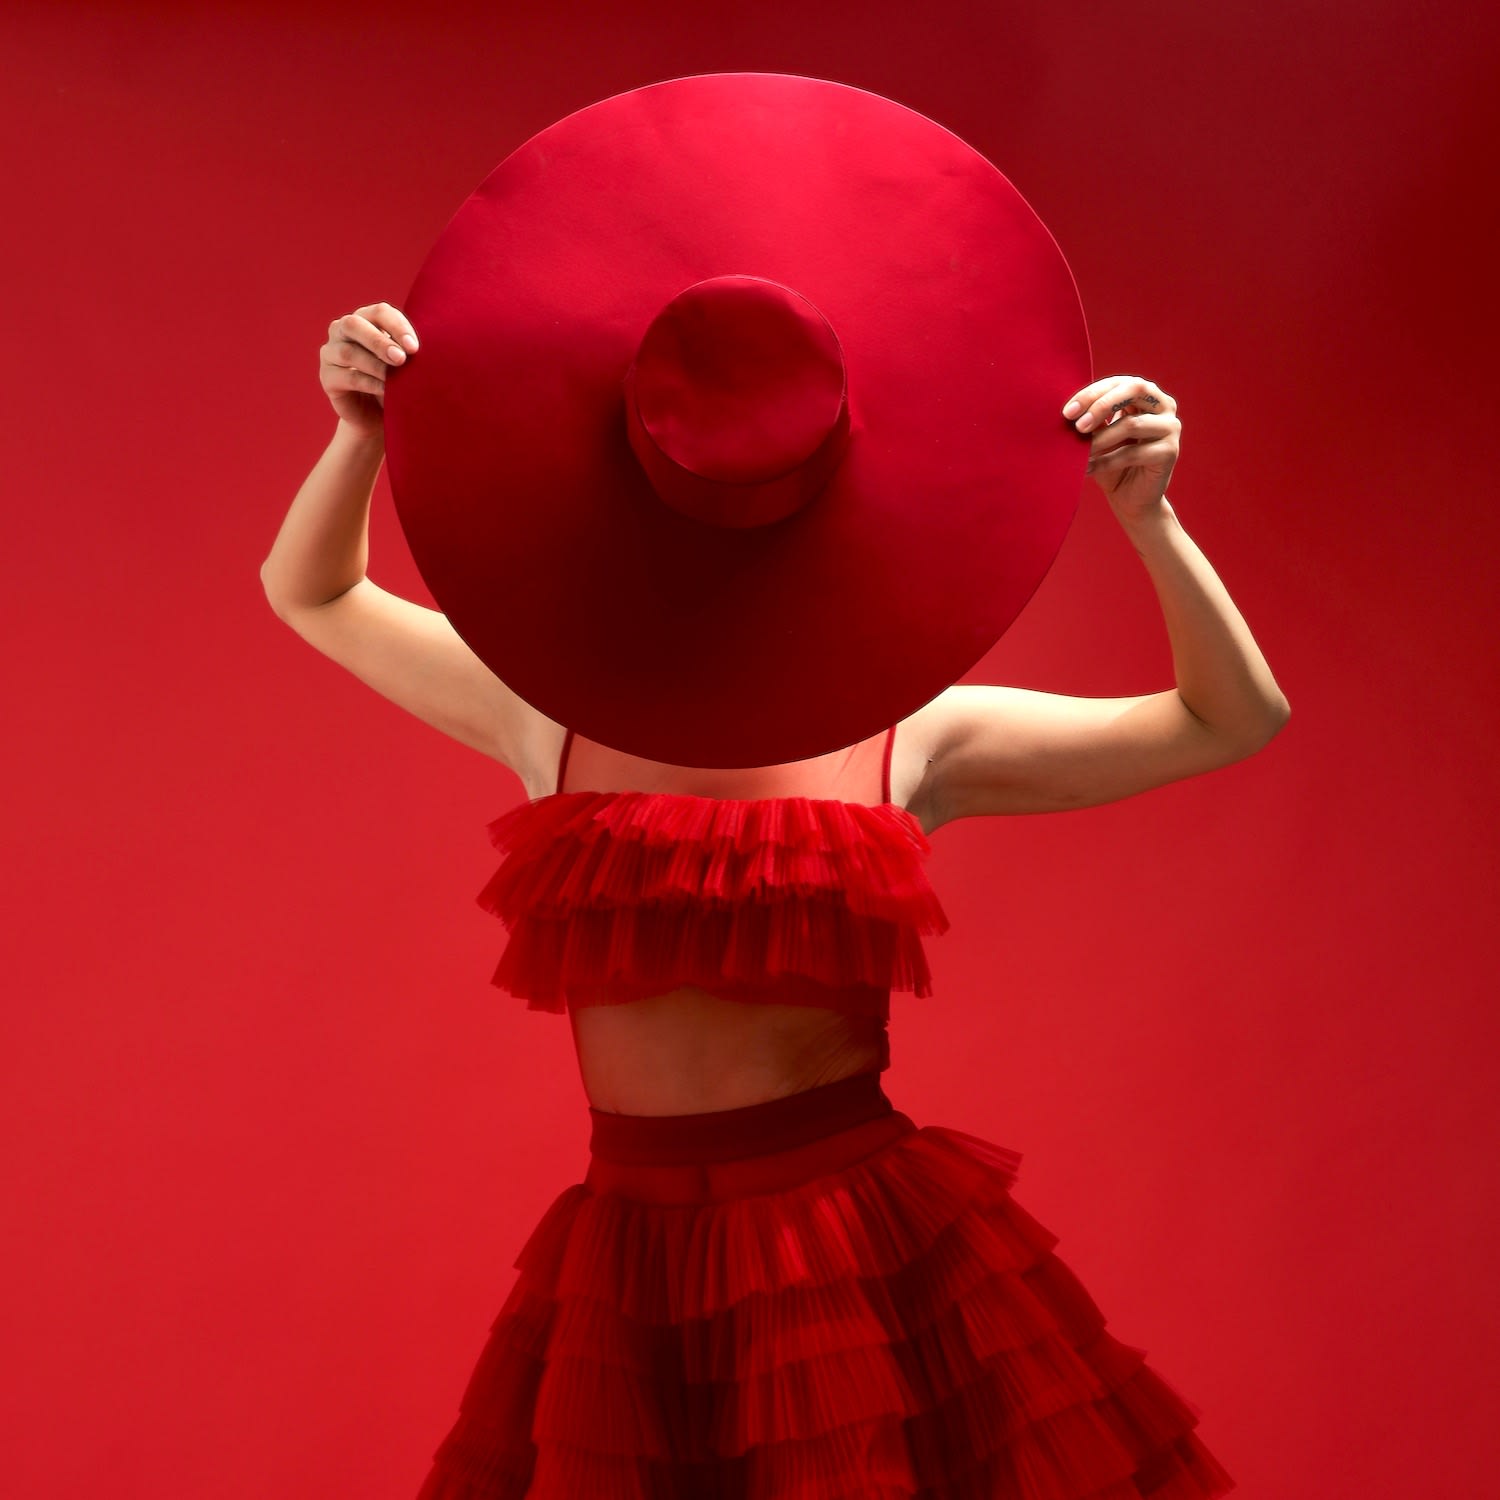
{"x": 1128, "y": 391}
{"x": 1133, "y": 456}
{"x": 1137, "y": 428}
{"x": 1094, "y": 404}
{"x": 1143, "y": 395}
{"x": 341, "y": 354}
{"x": 355, "y": 328}
{"x": 1080, "y": 399}
{"x": 393, "y": 321}
{"x": 357, "y": 380}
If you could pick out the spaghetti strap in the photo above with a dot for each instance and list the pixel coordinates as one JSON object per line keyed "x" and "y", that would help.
{"x": 562, "y": 760}
{"x": 885, "y": 766}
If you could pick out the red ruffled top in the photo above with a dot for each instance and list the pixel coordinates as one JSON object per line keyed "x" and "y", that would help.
{"x": 612, "y": 896}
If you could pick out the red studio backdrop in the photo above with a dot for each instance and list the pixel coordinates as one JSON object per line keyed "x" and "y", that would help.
{"x": 272, "y": 1138}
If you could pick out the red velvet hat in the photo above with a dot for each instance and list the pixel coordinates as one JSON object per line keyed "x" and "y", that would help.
{"x": 735, "y": 435}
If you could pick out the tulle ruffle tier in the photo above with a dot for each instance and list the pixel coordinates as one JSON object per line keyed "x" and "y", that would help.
{"x": 614, "y": 896}
{"x": 896, "y": 1328}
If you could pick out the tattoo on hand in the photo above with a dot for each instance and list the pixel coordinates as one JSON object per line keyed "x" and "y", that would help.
{"x": 1135, "y": 401}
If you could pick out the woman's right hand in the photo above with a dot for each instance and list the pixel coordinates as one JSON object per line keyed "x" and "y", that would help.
{"x": 361, "y": 347}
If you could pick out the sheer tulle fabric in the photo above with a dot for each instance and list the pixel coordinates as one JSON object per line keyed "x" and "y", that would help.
{"x": 616, "y": 896}
{"x": 864, "y": 1312}
{"x": 865, "y": 1315}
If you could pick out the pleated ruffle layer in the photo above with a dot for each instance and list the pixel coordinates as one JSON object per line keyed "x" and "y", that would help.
{"x": 896, "y": 1328}
{"x": 614, "y": 896}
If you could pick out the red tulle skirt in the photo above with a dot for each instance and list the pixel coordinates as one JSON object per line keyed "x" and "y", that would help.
{"x": 807, "y": 1299}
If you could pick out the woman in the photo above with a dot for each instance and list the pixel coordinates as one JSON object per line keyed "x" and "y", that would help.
{"x": 772, "y": 1283}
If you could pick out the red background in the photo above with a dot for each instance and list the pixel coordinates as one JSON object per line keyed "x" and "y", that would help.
{"x": 273, "y": 1141}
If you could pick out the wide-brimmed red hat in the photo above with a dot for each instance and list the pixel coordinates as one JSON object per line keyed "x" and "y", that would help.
{"x": 735, "y": 435}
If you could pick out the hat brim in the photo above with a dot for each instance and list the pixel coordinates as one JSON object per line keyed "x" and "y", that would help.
{"x": 540, "y": 536}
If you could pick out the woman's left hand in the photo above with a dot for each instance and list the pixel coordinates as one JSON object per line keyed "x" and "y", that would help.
{"x": 1133, "y": 434}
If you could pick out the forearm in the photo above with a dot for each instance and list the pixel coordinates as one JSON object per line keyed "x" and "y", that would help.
{"x": 1221, "y": 675}
{"x": 322, "y": 548}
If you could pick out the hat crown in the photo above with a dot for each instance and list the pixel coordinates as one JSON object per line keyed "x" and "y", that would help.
{"x": 737, "y": 401}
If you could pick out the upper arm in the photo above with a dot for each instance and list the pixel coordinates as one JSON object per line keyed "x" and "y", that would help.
{"x": 1010, "y": 750}
{"x": 413, "y": 656}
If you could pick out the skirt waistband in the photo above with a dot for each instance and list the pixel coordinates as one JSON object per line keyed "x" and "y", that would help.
{"x": 728, "y": 1134}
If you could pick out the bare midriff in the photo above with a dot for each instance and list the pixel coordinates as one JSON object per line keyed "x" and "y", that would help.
{"x": 689, "y": 1052}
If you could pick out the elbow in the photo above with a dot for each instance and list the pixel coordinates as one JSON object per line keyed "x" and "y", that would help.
{"x": 1277, "y": 711}
{"x": 268, "y": 587}
{"x": 1281, "y": 713}
{"x": 1270, "y": 721}
{"x": 1225, "y": 743}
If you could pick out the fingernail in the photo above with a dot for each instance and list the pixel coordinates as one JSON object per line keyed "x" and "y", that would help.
{"x": 394, "y": 352}
{"x": 1072, "y": 409}
{"x": 409, "y": 339}
{"x": 1086, "y": 421}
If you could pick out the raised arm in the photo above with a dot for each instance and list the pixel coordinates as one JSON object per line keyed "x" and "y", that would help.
{"x": 314, "y": 577}
{"x": 1006, "y": 750}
